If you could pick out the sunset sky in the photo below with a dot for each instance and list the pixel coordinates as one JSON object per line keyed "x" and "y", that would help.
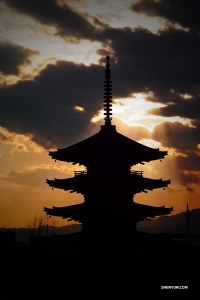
{"x": 52, "y": 61}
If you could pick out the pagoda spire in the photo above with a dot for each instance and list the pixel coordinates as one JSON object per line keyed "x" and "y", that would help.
{"x": 107, "y": 94}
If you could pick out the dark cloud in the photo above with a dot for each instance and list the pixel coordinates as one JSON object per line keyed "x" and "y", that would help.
{"x": 69, "y": 23}
{"x": 185, "y": 140}
{"x": 188, "y": 108}
{"x": 160, "y": 62}
{"x": 182, "y": 12}
{"x": 176, "y": 135}
{"x": 191, "y": 163}
{"x": 189, "y": 189}
{"x": 45, "y": 107}
{"x": 12, "y": 57}
{"x": 168, "y": 60}
{"x": 188, "y": 178}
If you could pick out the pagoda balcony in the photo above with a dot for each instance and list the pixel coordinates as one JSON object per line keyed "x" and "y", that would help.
{"x": 140, "y": 173}
{"x": 78, "y": 173}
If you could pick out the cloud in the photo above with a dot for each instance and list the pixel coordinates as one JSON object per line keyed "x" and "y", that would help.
{"x": 143, "y": 61}
{"x": 189, "y": 189}
{"x": 19, "y": 142}
{"x": 176, "y": 135}
{"x": 182, "y": 12}
{"x": 33, "y": 179}
{"x": 159, "y": 62}
{"x": 190, "y": 163}
{"x": 188, "y": 178}
{"x": 136, "y": 133}
{"x": 5, "y": 138}
{"x": 12, "y": 57}
{"x": 185, "y": 141}
{"x": 188, "y": 108}
{"x": 68, "y": 23}
{"x": 44, "y": 107}
{"x": 36, "y": 175}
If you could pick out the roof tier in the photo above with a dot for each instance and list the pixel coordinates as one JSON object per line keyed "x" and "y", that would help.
{"x": 82, "y": 183}
{"x": 107, "y": 141}
{"x": 79, "y": 212}
{"x": 74, "y": 212}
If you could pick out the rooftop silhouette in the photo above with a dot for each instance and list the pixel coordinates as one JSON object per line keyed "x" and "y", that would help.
{"x": 108, "y": 184}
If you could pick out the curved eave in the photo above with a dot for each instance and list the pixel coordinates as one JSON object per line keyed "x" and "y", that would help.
{"x": 74, "y": 212}
{"x": 82, "y": 158}
{"x": 78, "y": 183}
{"x": 74, "y": 183}
{"x": 141, "y": 183}
{"x": 75, "y": 153}
{"x": 104, "y": 142}
{"x": 146, "y": 211}
{"x": 77, "y": 211}
{"x": 156, "y": 154}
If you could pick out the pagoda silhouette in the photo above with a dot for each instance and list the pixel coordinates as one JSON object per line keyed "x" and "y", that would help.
{"x": 108, "y": 184}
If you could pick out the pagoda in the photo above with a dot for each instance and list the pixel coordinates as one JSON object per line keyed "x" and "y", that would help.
{"x": 108, "y": 184}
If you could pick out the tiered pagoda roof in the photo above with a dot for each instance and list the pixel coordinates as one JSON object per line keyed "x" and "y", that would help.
{"x": 78, "y": 212}
{"x": 80, "y": 183}
{"x": 105, "y": 141}
{"x": 108, "y": 184}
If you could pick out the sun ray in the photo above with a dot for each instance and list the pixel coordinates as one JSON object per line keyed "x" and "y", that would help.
{"x": 134, "y": 111}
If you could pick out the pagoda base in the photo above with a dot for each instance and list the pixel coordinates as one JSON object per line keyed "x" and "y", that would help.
{"x": 109, "y": 224}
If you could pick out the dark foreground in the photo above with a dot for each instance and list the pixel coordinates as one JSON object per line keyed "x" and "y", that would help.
{"x": 73, "y": 268}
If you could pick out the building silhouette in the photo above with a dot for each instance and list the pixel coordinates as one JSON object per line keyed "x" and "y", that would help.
{"x": 108, "y": 184}
{"x": 188, "y": 214}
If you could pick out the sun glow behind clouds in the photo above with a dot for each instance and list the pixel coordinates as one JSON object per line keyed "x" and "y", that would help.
{"x": 134, "y": 112}
{"x": 79, "y": 108}
{"x": 19, "y": 142}
{"x": 115, "y": 13}
{"x": 49, "y": 47}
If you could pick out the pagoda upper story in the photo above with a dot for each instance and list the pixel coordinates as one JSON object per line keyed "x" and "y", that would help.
{"x": 108, "y": 142}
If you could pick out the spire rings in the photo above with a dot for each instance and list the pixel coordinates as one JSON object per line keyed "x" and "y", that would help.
{"x": 107, "y": 94}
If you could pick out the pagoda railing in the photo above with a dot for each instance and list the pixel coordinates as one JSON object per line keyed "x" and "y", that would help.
{"x": 76, "y": 173}
{"x": 140, "y": 173}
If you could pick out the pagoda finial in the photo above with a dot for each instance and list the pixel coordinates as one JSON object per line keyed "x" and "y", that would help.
{"x": 107, "y": 94}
